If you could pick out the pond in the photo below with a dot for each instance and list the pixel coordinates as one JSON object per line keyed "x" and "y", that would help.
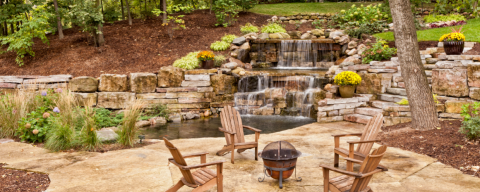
{"x": 208, "y": 127}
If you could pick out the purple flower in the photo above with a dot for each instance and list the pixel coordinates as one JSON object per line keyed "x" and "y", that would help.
{"x": 44, "y": 93}
{"x": 56, "y": 110}
{"x": 14, "y": 111}
{"x": 59, "y": 90}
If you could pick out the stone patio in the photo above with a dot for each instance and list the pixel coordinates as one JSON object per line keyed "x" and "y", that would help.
{"x": 146, "y": 169}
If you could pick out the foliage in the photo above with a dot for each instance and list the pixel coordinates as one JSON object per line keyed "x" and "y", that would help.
{"x": 229, "y": 38}
{"x": 366, "y": 28}
{"x": 88, "y": 134}
{"x": 438, "y": 18}
{"x": 188, "y": 62}
{"x": 452, "y": 23}
{"x": 246, "y": 4}
{"x": 158, "y": 110}
{"x": 128, "y": 130}
{"x": 380, "y": 51}
{"x": 110, "y": 14}
{"x": 60, "y": 137}
{"x": 205, "y": 55}
{"x": 88, "y": 16}
{"x": 219, "y": 60}
{"x": 225, "y": 11}
{"x": 447, "y": 6}
{"x": 273, "y": 28}
{"x": 302, "y": 7}
{"x": 248, "y": 28}
{"x": 105, "y": 118}
{"x": 35, "y": 126}
{"x": 362, "y": 14}
{"x": 471, "y": 128}
{"x": 14, "y": 107}
{"x": 179, "y": 8}
{"x": 405, "y": 101}
{"x": 348, "y": 78}
{"x": 469, "y": 111}
{"x": 219, "y": 46}
{"x": 318, "y": 24}
{"x": 455, "y": 35}
{"x": 21, "y": 41}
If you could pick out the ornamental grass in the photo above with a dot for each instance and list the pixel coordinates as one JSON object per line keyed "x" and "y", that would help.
{"x": 128, "y": 131}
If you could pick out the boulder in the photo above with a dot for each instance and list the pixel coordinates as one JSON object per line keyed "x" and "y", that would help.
{"x": 263, "y": 36}
{"x": 230, "y": 65}
{"x": 352, "y": 52}
{"x": 454, "y": 106}
{"x": 353, "y": 59}
{"x": 318, "y": 32}
{"x": 106, "y": 135}
{"x": 115, "y": 100}
{"x": 275, "y": 36}
{"x": 224, "y": 84}
{"x": 238, "y": 70}
{"x": 170, "y": 76}
{"x": 113, "y": 83}
{"x": 83, "y": 98}
{"x": 352, "y": 45}
{"x": 473, "y": 74}
{"x": 143, "y": 82}
{"x": 338, "y": 33}
{"x": 374, "y": 83}
{"x": 450, "y": 82}
{"x": 84, "y": 84}
{"x": 239, "y": 41}
{"x": 344, "y": 40}
{"x": 157, "y": 121}
{"x": 306, "y": 36}
{"x": 361, "y": 48}
{"x": 285, "y": 35}
{"x": 295, "y": 34}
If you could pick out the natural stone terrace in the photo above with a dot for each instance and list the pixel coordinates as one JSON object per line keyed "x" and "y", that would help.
{"x": 146, "y": 169}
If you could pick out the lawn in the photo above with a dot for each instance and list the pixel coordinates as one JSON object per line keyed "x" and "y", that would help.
{"x": 471, "y": 31}
{"x": 284, "y": 9}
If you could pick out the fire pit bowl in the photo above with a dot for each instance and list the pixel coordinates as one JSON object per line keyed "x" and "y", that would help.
{"x": 279, "y": 161}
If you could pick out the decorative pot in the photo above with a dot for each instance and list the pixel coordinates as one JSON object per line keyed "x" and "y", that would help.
{"x": 453, "y": 47}
{"x": 347, "y": 91}
{"x": 208, "y": 64}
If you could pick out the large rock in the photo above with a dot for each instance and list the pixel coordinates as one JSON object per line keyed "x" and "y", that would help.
{"x": 318, "y": 32}
{"x": 453, "y": 106}
{"x": 274, "y": 36}
{"x": 473, "y": 75}
{"x": 170, "y": 76}
{"x": 239, "y": 41}
{"x": 306, "y": 36}
{"x": 374, "y": 83}
{"x": 143, "y": 82}
{"x": 83, "y": 98}
{"x": 106, "y": 135}
{"x": 223, "y": 84}
{"x": 263, "y": 36}
{"x": 352, "y": 45}
{"x": 115, "y": 100}
{"x": 336, "y": 34}
{"x": 450, "y": 82}
{"x": 84, "y": 84}
{"x": 113, "y": 83}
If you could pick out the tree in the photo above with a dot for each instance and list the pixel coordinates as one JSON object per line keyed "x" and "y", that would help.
{"x": 422, "y": 106}
{"x": 88, "y": 16}
{"x": 99, "y": 30}
{"x": 59, "y": 20}
{"x": 123, "y": 12}
{"x": 128, "y": 13}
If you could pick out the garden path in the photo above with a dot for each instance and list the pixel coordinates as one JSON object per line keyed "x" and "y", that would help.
{"x": 146, "y": 168}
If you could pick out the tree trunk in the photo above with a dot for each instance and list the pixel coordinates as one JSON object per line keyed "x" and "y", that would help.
{"x": 123, "y": 12}
{"x": 164, "y": 6}
{"x": 99, "y": 40}
{"x": 161, "y": 5}
{"x": 59, "y": 21}
{"x": 422, "y": 106}
{"x": 475, "y": 12}
{"x": 5, "y": 29}
{"x": 12, "y": 28}
{"x": 128, "y": 13}
{"x": 101, "y": 4}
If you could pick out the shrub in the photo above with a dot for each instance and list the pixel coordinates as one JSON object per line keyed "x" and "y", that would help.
{"x": 105, "y": 118}
{"x": 128, "y": 130}
{"x": 205, "y": 56}
{"x": 273, "y": 28}
{"x": 367, "y": 28}
{"x": 60, "y": 137}
{"x": 219, "y": 46}
{"x": 229, "y": 38}
{"x": 14, "y": 107}
{"x": 348, "y": 78}
{"x": 362, "y": 14}
{"x": 248, "y": 28}
{"x": 188, "y": 62}
{"x": 318, "y": 24}
{"x": 380, "y": 51}
{"x": 471, "y": 128}
{"x": 469, "y": 111}
{"x": 439, "y": 18}
{"x": 225, "y": 11}
{"x": 246, "y": 4}
{"x": 35, "y": 126}
{"x": 219, "y": 60}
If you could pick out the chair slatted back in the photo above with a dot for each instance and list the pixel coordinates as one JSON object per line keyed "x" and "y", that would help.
{"x": 370, "y": 133}
{"x": 369, "y": 164}
{"x": 177, "y": 156}
{"x": 231, "y": 121}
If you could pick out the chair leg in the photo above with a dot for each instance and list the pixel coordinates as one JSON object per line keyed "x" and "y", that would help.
{"x": 233, "y": 149}
{"x": 336, "y": 160}
{"x": 176, "y": 187}
{"x": 326, "y": 180}
{"x": 256, "y": 153}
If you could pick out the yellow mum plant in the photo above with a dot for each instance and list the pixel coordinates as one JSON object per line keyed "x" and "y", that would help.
{"x": 455, "y": 35}
{"x": 348, "y": 78}
{"x": 205, "y": 56}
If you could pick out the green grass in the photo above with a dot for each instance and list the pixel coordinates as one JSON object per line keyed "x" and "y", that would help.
{"x": 285, "y": 9}
{"x": 471, "y": 32}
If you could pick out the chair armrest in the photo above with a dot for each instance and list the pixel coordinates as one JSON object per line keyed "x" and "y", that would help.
{"x": 202, "y": 165}
{"x": 353, "y": 160}
{"x": 194, "y": 155}
{"x": 341, "y": 171}
{"x": 364, "y": 141}
{"x": 225, "y": 131}
{"x": 370, "y": 173}
{"x": 252, "y": 129}
{"x": 348, "y": 135}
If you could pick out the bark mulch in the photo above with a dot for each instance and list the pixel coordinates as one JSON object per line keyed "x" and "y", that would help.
{"x": 474, "y": 51}
{"x": 445, "y": 144}
{"x": 17, "y": 180}
{"x": 143, "y": 47}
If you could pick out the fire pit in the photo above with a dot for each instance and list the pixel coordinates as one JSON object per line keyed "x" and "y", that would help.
{"x": 279, "y": 160}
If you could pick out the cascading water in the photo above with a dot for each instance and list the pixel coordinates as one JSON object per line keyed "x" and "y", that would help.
{"x": 290, "y": 95}
{"x": 297, "y": 54}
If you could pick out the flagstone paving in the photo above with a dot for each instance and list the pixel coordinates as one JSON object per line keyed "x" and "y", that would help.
{"x": 146, "y": 168}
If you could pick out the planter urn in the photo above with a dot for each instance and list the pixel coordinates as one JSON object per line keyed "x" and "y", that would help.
{"x": 453, "y": 47}
{"x": 347, "y": 91}
{"x": 208, "y": 64}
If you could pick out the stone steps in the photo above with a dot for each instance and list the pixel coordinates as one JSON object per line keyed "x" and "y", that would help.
{"x": 379, "y": 104}
{"x": 390, "y": 97}
{"x": 368, "y": 111}
{"x": 397, "y": 91}
{"x": 357, "y": 118}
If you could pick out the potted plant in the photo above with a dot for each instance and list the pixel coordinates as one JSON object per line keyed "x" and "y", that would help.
{"x": 347, "y": 81}
{"x": 206, "y": 57}
{"x": 453, "y": 42}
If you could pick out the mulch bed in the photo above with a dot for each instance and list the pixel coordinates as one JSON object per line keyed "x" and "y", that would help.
{"x": 422, "y": 45}
{"x": 474, "y": 51}
{"x": 17, "y": 180}
{"x": 143, "y": 47}
{"x": 445, "y": 144}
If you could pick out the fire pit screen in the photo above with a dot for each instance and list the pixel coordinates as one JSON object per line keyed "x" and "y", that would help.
{"x": 279, "y": 159}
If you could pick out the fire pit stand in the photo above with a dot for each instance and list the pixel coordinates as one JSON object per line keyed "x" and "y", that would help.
{"x": 279, "y": 159}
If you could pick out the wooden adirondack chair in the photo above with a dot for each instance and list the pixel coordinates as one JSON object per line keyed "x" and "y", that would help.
{"x": 351, "y": 181}
{"x": 367, "y": 138}
{"x": 201, "y": 179}
{"x": 233, "y": 128}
